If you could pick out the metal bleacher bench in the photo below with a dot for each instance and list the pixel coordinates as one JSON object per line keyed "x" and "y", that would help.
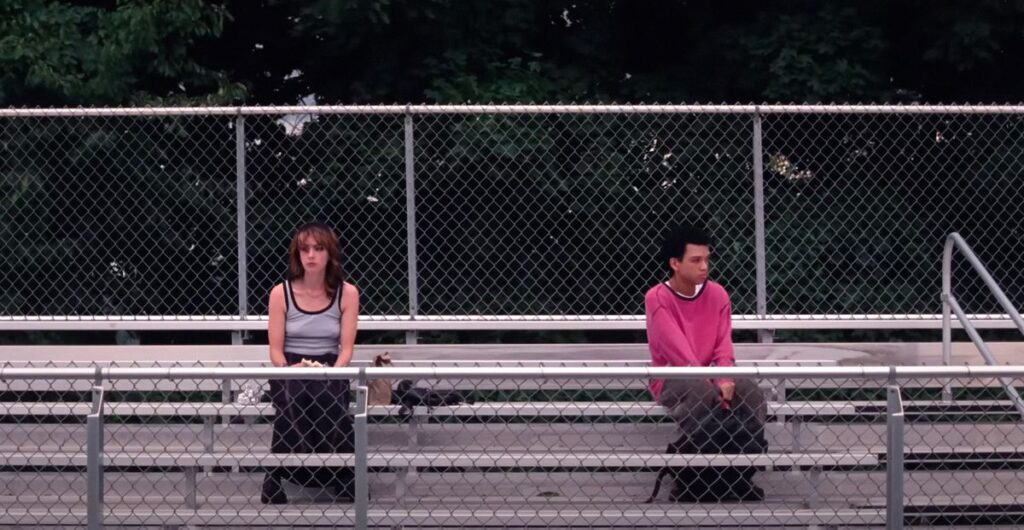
{"x": 252, "y": 356}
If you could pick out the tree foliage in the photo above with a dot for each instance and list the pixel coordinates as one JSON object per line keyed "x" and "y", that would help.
{"x": 352, "y": 51}
{"x": 78, "y": 194}
{"x": 106, "y": 53}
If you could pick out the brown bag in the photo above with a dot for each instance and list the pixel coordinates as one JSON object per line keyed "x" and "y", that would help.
{"x": 379, "y": 390}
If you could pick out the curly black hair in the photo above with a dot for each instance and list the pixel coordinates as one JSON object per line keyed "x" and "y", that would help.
{"x": 673, "y": 244}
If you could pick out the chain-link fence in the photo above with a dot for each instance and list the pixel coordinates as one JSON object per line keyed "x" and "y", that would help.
{"x": 509, "y": 446}
{"x": 535, "y": 212}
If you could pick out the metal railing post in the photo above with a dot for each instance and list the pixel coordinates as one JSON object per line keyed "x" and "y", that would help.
{"x": 761, "y": 274}
{"x": 362, "y": 489}
{"x": 410, "y": 227}
{"x": 240, "y": 221}
{"x": 94, "y": 459}
{"x": 894, "y": 456}
{"x": 947, "y": 325}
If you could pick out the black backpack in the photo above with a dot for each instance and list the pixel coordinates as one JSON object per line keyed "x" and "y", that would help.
{"x": 723, "y": 431}
{"x": 409, "y": 396}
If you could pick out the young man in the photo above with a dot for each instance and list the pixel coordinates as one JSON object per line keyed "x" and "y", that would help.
{"x": 689, "y": 323}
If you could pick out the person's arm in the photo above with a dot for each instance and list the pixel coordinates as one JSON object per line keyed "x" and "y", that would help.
{"x": 275, "y": 328}
{"x": 349, "y": 323}
{"x": 724, "y": 354}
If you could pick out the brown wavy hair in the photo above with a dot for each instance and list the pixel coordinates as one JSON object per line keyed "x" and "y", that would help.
{"x": 334, "y": 275}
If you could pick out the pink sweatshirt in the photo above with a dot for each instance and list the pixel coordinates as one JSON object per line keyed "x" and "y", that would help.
{"x": 688, "y": 331}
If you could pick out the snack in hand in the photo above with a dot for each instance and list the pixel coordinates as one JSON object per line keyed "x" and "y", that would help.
{"x": 306, "y": 363}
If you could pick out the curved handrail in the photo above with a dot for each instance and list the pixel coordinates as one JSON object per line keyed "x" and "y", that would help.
{"x": 951, "y": 305}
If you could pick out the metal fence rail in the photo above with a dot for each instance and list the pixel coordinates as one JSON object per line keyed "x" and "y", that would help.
{"x": 562, "y": 446}
{"x": 503, "y": 216}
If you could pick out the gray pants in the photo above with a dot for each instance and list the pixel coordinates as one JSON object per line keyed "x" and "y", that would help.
{"x": 690, "y": 400}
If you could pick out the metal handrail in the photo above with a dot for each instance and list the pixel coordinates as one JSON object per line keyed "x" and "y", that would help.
{"x": 525, "y": 372}
{"x": 484, "y": 322}
{"x": 950, "y": 304}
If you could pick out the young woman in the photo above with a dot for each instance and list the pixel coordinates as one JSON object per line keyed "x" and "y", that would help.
{"x": 313, "y": 317}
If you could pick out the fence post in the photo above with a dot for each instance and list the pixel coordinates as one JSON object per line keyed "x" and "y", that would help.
{"x": 894, "y": 455}
{"x": 763, "y": 335}
{"x": 94, "y": 457}
{"x": 410, "y": 220}
{"x": 243, "y": 281}
{"x": 362, "y": 486}
{"x": 947, "y": 324}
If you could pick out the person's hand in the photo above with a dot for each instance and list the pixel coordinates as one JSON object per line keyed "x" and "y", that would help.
{"x": 728, "y": 390}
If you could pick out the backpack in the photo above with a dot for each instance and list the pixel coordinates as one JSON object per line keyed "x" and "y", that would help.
{"x": 723, "y": 431}
{"x": 409, "y": 396}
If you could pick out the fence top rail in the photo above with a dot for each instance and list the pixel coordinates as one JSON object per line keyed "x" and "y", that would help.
{"x": 507, "y": 109}
{"x": 533, "y": 372}
{"x": 490, "y": 322}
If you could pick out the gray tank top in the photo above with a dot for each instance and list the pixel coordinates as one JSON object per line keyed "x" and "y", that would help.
{"x": 312, "y": 333}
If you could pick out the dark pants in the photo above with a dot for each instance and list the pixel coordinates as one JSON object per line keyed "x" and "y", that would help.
{"x": 311, "y": 416}
{"x": 690, "y": 400}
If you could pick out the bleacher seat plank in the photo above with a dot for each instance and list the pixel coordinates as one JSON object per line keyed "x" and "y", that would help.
{"x": 469, "y": 517}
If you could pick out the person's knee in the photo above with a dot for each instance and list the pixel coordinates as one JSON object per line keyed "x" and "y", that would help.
{"x": 749, "y": 394}
{"x": 672, "y": 392}
{"x": 676, "y": 391}
{"x": 703, "y": 399}
{"x": 709, "y": 395}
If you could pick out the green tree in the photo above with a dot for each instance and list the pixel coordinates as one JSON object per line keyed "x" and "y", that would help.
{"x": 103, "y": 53}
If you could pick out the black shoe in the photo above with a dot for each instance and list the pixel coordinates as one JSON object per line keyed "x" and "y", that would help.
{"x": 272, "y": 492}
